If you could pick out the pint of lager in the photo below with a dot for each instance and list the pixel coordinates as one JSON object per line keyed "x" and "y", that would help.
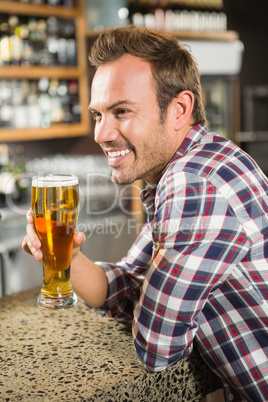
{"x": 55, "y": 208}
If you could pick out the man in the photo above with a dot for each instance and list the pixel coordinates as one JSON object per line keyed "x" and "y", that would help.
{"x": 199, "y": 269}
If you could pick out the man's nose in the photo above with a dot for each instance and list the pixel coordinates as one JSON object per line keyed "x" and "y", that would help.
{"x": 105, "y": 131}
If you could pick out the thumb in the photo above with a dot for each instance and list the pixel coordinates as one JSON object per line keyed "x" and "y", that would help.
{"x": 79, "y": 238}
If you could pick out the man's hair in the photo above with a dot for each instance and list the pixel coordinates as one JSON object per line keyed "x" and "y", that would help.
{"x": 173, "y": 68}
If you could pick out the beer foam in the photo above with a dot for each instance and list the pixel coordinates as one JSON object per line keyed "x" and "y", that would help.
{"x": 57, "y": 180}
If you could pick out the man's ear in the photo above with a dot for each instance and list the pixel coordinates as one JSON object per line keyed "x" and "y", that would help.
{"x": 183, "y": 105}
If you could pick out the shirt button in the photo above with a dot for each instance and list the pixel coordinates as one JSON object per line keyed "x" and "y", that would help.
{"x": 230, "y": 397}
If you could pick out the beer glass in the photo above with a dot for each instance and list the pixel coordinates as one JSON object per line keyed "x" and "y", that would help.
{"x": 55, "y": 208}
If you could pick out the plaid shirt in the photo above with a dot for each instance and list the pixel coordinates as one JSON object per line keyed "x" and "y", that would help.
{"x": 199, "y": 269}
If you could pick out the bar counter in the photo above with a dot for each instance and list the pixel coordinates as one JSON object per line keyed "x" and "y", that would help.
{"x": 76, "y": 355}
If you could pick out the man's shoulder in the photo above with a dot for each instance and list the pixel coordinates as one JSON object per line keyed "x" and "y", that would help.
{"x": 212, "y": 158}
{"x": 206, "y": 156}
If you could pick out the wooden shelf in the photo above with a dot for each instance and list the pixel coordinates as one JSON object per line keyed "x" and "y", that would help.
{"x": 33, "y": 134}
{"x": 205, "y": 35}
{"x": 196, "y": 35}
{"x": 37, "y": 72}
{"x": 38, "y": 10}
{"x": 61, "y": 72}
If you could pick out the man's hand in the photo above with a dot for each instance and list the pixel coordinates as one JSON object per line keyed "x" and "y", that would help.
{"x": 32, "y": 245}
{"x": 88, "y": 279}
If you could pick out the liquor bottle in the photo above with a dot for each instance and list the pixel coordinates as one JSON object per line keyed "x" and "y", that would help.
{"x": 71, "y": 57}
{"x": 37, "y": 38}
{"x": 5, "y": 54}
{"x": 63, "y": 92}
{"x": 52, "y": 39}
{"x": 74, "y": 101}
{"x": 27, "y": 57}
{"x": 6, "y": 104}
{"x": 16, "y": 44}
{"x": 67, "y": 42}
{"x": 20, "y": 90}
{"x": 44, "y": 102}
{"x": 62, "y": 51}
{"x": 34, "y": 112}
{"x": 57, "y": 112}
{"x": 44, "y": 56}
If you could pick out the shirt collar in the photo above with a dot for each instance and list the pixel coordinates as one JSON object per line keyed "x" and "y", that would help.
{"x": 191, "y": 139}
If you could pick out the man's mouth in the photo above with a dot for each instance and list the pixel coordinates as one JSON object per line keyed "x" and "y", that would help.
{"x": 116, "y": 154}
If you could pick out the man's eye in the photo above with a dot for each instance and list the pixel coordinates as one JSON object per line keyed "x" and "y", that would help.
{"x": 96, "y": 116}
{"x": 120, "y": 112}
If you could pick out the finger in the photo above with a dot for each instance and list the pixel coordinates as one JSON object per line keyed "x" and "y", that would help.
{"x": 79, "y": 238}
{"x": 32, "y": 236}
{"x": 29, "y": 216}
{"x": 29, "y": 248}
{"x": 25, "y": 246}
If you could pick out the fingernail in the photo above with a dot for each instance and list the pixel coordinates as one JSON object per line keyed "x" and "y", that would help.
{"x": 37, "y": 254}
{"x": 80, "y": 237}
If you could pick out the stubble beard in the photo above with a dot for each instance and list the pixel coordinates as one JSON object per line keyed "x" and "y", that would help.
{"x": 147, "y": 170}
{"x": 122, "y": 179}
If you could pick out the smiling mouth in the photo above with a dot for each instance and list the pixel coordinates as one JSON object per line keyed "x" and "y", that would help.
{"x": 115, "y": 154}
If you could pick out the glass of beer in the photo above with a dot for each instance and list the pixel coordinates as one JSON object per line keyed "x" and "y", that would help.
{"x": 55, "y": 201}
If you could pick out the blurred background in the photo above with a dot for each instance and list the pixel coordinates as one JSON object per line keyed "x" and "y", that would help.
{"x": 45, "y": 126}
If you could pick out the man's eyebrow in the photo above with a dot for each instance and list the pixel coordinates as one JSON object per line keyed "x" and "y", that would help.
{"x": 113, "y": 105}
{"x": 91, "y": 109}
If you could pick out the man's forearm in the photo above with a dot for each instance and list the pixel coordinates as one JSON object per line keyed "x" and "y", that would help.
{"x": 89, "y": 280}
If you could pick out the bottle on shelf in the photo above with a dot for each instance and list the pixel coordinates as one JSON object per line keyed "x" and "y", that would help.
{"x": 35, "y": 41}
{"x": 45, "y": 37}
{"x": 74, "y": 101}
{"x": 38, "y": 103}
{"x": 178, "y": 15}
{"x": 65, "y": 101}
{"x": 44, "y": 102}
{"x": 34, "y": 111}
{"x": 5, "y": 54}
{"x": 20, "y": 90}
{"x": 15, "y": 41}
{"x": 57, "y": 112}
{"x": 6, "y": 104}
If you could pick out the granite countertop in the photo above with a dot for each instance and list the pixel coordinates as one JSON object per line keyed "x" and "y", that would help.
{"x": 76, "y": 355}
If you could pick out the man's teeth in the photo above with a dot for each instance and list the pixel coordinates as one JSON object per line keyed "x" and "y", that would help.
{"x": 118, "y": 153}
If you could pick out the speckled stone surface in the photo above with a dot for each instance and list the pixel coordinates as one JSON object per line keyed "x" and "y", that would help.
{"x": 75, "y": 355}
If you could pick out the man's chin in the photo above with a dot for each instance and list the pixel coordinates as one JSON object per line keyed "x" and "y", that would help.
{"x": 120, "y": 178}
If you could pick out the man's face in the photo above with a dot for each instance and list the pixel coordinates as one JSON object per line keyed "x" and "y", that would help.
{"x": 124, "y": 105}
